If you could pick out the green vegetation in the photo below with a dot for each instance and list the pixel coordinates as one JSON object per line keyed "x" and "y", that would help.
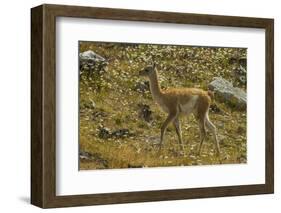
{"x": 120, "y": 123}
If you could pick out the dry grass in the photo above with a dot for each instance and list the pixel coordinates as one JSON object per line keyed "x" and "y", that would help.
{"x": 117, "y": 105}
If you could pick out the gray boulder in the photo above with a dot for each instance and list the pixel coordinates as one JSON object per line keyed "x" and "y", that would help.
{"x": 91, "y": 62}
{"x": 225, "y": 92}
{"x": 90, "y": 56}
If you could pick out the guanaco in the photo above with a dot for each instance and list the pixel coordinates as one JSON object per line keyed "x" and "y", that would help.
{"x": 181, "y": 101}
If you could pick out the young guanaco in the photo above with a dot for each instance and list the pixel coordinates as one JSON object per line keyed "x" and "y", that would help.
{"x": 181, "y": 101}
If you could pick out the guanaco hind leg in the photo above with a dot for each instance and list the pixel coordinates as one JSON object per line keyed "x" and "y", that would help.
{"x": 213, "y": 129}
{"x": 178, "y": 131}
{"x": 202, "y": 129}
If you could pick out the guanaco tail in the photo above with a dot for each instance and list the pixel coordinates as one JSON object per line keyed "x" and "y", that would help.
{"x": 182, "y": 101}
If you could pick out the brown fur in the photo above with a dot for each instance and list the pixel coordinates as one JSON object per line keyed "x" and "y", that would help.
{"x": 177, "y": 101}
{"x": 211, "y": 94}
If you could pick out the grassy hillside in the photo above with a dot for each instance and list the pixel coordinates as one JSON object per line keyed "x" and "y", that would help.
{"x": 120, "y": 123}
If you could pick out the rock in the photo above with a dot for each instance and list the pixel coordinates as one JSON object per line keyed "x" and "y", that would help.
{"x": 238, "y": 60}
{"x": 90, "y": 57}
{"x": 85, "y": 155}
{"x": 142, "y": 86}
{"x": 121, "y": 133}
{"x": 104, "y": 133}
{"x": 241, "y": 75}
{"x": 225, "y": 92}
{"x": 144, "y": 112}
{"x": 242, "y": 79}
{"x": 91, "y": 62}
{"x": 241, "y": 70}
{"x": 96, "y": 157}
{"x": 98, "y": 114}
{"x": 243, "y": 62}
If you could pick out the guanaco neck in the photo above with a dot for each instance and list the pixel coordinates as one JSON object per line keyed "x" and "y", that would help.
{"x": 154, "y": 85}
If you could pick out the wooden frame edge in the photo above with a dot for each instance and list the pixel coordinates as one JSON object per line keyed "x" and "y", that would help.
{"x": 269, "y": 122}
{"x": 36, "y": 106}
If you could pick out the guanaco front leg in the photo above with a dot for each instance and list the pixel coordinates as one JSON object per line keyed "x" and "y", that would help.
{"x": 178, "y": 131}
{"x": 171, "y": 117}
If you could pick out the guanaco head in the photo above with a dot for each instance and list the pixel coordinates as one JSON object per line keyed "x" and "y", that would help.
{"x": 148, "y": 70}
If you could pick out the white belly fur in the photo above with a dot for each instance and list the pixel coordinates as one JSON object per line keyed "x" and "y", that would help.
{"x": 189, "y": 106}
